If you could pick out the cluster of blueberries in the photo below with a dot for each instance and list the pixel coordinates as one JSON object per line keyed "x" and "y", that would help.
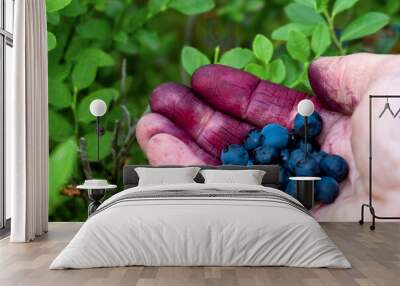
{"x": 274, "y": 144}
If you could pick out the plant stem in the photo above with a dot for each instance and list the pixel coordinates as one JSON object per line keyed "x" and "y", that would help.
{"x": 216, "y": 55}
{"x": 336, "y": 41}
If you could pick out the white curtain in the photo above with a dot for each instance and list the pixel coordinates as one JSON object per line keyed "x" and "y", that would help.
{"x": 27, "y": 124}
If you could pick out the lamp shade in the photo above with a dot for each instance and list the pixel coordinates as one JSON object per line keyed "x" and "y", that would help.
{"x": 98, "y": 107}
{"x": 305, "y": 107}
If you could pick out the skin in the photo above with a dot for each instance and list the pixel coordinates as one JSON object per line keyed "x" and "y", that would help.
{"x": 191, "y": 126}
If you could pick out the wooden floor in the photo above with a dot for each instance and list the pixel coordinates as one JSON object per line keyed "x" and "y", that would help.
{"x": 375, "y": 257}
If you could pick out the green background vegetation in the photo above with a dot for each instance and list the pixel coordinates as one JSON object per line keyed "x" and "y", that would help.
{"x": 119, "y": 50}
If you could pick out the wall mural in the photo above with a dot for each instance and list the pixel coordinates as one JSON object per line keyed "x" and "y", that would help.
{"x": 218, "y": 82}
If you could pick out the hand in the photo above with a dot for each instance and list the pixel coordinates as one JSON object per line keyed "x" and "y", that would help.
{"x": 192, "y": 126}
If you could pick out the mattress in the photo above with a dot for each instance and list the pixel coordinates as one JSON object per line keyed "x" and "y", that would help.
{"x": 201, "y": 225}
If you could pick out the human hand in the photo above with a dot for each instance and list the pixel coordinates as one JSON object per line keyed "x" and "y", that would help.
{"x": 192, "y": 126}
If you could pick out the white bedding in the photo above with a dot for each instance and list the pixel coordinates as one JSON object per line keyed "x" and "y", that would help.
{"x": 183, "y": 231}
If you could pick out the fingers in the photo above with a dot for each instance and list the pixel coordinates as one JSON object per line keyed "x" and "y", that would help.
{"x": 166, "y": 144}
{"x": 344, "y": 84}
{"x": 244, "y": 96}
{"x": 340, "y": 82}
{"x": 212, "y": 130}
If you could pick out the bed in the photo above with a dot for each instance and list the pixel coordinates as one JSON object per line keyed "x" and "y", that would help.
{"x": 197, "y": 224}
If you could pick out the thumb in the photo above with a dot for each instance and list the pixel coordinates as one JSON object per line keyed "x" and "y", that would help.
{"x": 340, "y": 82}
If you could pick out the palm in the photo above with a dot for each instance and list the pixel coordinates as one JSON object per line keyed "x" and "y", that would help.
{"x": 192, "y": 126}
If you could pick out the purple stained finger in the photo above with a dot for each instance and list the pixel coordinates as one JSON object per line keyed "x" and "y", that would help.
{"x": 211, "y": 129}
{"x": 244, "y": 96}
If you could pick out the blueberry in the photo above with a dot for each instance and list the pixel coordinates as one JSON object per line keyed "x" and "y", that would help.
{"x": 291, "y": 189}
{"x": 275, "y": 136}
{"x": 318, "y": 156}
{"x": 302, "y": 146}
{"x": 234, "y": 154}
{"x": 253, "y": 140}
{"x": 295, "y": 156}
{"x": 265, "y": 155}
{"x": 314, "y": 125}
{"x": 326, "y": 190}
{"x": 284, "y": 175}
{"x": 285, "y": 155}
{"x": 335, "y": 167}
{"x": 308, "y": 167}
{"x": 294, "y": 140}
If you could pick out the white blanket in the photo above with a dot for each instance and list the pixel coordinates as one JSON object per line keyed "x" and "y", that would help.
{"x": 183, "y": 231}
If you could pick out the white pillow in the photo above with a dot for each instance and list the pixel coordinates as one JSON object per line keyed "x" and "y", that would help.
{"x": 248, "y": 177}
{"x": 163, "y": 176}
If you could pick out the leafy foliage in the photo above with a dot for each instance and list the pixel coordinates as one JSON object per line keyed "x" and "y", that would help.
{"x": 236, "y": 57}
{"x": 119, "y": 50}
{"x": 192, "y": 7}
{"x": 192, "y": 59}
{"x": 263, "y": 48}
{"x": 321, "y": 40}
{"x": 311, "y": 33}
{"x": 62, "y": 162}
{"x": 55, "y": 5}
{"x": 364, "y": 25}
{"x": 95, "y": 47}
{"x": 298, "y": 46}
{"x": 342, "y": 5}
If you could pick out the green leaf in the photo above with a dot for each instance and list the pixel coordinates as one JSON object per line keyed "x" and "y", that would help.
{"x": 321, "y": 39}
{"x": 76, "y": 8}
{"x": 105, "y": 145}
{"x": 136, "y": 20}
{"x": 192, "y": 7}
{"x": 60, "y": 129}
{"x": 298, "y": 46}
{"x": 342, "y": 5}
{"x": 302, "y": 14}
{"x": 302, "y": 79}
{"x": 148, "y": 39}
{"x": 51, "y": 41}
{"x": 84, "y": 74}
{"x": 107, "y": 95}
{"x": 59, "y": 94}
{"x": 96, "y": 29}
{"x": 309, "y": 3}
{"x": 121, "y": 37}
{"x": 257, "y": 70}
{"x": 59, "y": 72}
{"x": 392, "y": 7}
{"x": 365, "y": 25}
{"x": 100, "y": 5}
{"x": 276, "y": 71}
{"x": 321, "y": 6}
{"x": 156, "y": 6}
{"x": 114, "y": 8}
{"x": 192, "y": 59}
{"x": 237, "y": 58}
{"x": 262, "y": 48}
{"x": 55, "y": 5}
{"x": 96, "y": 55}
{"x": 53, "y": 18}
{"x": 129, "y": 47}
{"x": 75, "y": 46}
{"x": 282, "y": 33}
{"x": 61, "y": 167}
{"x": 292, "y": 70}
